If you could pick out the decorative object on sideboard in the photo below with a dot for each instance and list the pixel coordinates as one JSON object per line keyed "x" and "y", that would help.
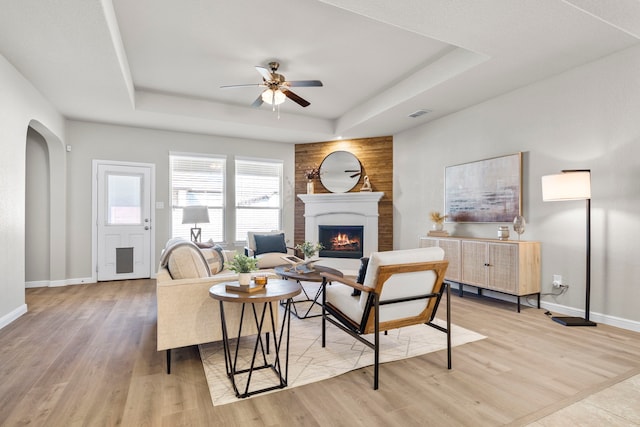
{"x": 519, "y": 225}
{"x": 195, "y": 215}
{"x": 573, "y": 185}
{"x": 484, "y": 191}
{"x": 437, "y": 219}
{"x": 367, "y": 185}
{"x": 437, "y": 227}
{"x": 503, "y": 232}
{"x": 340, "y": 171}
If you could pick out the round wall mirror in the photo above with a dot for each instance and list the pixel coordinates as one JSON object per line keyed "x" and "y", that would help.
{"x": 340, "y": 171}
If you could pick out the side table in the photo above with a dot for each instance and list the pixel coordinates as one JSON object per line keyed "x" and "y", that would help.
{"x": 314, "y": 275}
{"x": 260, "y": 303}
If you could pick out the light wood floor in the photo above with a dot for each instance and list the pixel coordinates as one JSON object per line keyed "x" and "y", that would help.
{"x": 85, "y": 355}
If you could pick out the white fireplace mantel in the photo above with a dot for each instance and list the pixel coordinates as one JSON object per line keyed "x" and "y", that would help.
{"x": 359, "y": 208}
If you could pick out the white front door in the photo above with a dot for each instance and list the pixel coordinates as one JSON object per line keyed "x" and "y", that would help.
{"x": 123, "y": 221}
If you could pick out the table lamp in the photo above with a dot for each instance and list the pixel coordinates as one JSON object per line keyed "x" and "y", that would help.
{"x": 195, "y": 215}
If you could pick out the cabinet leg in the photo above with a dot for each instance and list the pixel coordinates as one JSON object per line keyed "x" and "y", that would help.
{"x": 518, "y": 303}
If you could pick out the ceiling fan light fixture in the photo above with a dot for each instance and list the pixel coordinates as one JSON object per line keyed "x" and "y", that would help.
{"x": 273, "y": 97}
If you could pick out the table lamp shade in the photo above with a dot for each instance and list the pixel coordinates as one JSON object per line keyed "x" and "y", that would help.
{"x": 195, "y": 215}
{"x": 568, "y": 185}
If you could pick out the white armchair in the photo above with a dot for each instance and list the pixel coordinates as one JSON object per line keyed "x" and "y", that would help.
{"x": 400, "y": 288}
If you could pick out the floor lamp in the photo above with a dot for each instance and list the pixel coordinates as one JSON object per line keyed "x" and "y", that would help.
{"x": 195, "y": 215}
{"x": 573, "y": 185}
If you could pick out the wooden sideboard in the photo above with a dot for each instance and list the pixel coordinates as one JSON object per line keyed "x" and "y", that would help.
{"x": 506, "y": 266}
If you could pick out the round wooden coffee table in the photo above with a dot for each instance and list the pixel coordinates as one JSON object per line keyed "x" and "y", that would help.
{"x": 315, "y": 275}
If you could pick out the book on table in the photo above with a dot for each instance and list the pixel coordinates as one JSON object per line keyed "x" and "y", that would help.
{"x": 298, "y": 264}
{"x": 248, "y": 289}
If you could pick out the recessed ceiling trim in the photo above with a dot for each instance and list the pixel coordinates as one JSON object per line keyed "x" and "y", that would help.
{"x": 118, "y": 47}
{"x": 445, "y": 68}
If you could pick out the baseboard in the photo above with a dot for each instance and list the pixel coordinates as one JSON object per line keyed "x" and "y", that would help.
{"x": 618, "y": 322}
{"x": 37, "y": 284}
{"x": 79, "y": 281}
{"x": 56, "y": 283}
{"x": 13, "y": 315}
{"x": 631, "y": 325}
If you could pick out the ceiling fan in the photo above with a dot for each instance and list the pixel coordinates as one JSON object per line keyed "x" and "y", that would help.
{"x": 277, "y": 87}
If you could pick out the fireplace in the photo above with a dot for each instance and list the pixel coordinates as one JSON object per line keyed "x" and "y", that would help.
{"x": 359, "y": 208}
{"x": 341, "y": 241}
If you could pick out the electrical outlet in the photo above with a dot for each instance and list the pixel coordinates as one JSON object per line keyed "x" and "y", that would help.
{"x": 557, "y": 281}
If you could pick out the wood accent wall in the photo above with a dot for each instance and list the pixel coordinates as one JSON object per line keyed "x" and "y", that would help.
{"x": 376, "y": 158}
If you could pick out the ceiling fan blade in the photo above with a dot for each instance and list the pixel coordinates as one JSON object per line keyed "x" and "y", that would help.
{"x": 245, "y": 85}
{"x": 258, "y": 102}
{"x": 295, "y": 98}
{"x": 304, "y": 83}
{"x": 266, "y": 74}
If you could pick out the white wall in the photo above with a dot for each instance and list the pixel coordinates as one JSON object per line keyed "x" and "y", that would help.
{"x": 588, "y": 117}
{"x": 91, "y": 141}
{"x": 20, "y": 106}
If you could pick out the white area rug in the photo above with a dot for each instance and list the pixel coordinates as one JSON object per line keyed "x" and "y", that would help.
{"x": 309, "y": 362}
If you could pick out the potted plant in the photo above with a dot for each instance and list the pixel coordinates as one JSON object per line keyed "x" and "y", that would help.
{"x": 309, "y": 249}
{"x": 243, "y": 265}
{"x": 437, "y": 218}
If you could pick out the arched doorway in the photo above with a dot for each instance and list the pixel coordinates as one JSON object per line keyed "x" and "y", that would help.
{"x": 45, "y": 208}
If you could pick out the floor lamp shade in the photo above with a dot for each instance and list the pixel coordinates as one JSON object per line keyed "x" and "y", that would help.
{"x": 569, "y": 185}
{"x": 195, "y": 215}
{"x": 573, "y": 185}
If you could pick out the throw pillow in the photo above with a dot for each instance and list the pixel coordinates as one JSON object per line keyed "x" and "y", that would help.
{"x": 208, "y": 244}
{"x": 186, "y": 262}
{"x": 364, "y": 262}
{"x": 215, "y": 258}
{"x": 266, "y": 243}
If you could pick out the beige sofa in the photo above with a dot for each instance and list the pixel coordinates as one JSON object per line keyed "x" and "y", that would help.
{"x": 187, "y": 315}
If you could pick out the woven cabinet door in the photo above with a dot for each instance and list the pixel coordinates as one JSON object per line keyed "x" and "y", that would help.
{"x": 503, "y": 266}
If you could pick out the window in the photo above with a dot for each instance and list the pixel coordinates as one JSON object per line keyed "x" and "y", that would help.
{"x": 258, "y": 196}
{"x": 124, "y": 199}
{"x": 198, "y": 181}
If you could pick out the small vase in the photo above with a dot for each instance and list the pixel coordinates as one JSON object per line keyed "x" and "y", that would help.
{"x": 310, "y": 188}
{"x": 503, "y": 232}
{"x": 437, "y": 226}
{"x": 244, "y": 279}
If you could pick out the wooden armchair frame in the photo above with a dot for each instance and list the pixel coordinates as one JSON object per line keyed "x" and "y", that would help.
{"x": 370, "y": 320}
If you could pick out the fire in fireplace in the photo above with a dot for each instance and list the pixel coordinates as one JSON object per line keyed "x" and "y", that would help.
{"x": 341, "y": 241}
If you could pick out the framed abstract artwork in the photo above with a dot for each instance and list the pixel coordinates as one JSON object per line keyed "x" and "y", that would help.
{"x": 487, "y": 190}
